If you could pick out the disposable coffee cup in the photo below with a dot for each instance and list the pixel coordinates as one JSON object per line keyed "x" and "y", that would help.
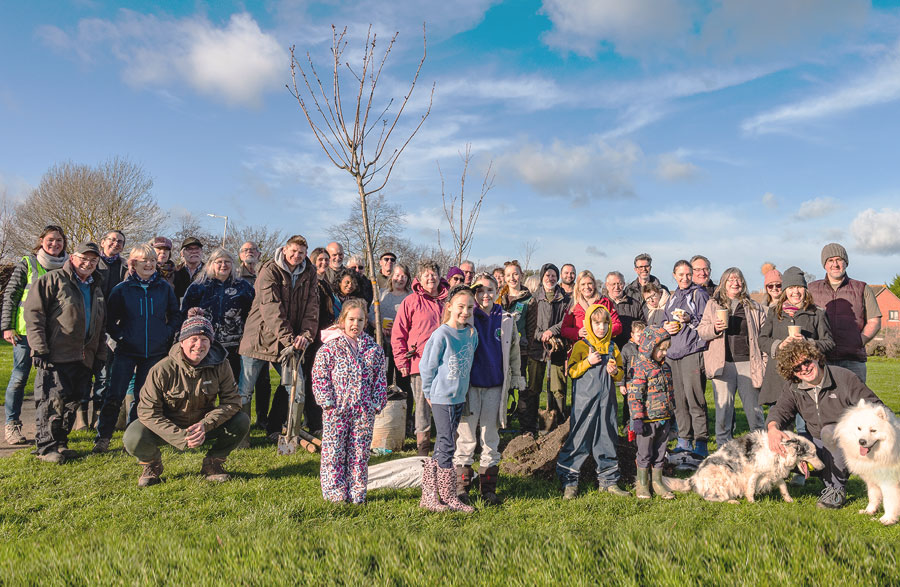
{"x": 722, "y": 315}
{"x": 793, "y": 330}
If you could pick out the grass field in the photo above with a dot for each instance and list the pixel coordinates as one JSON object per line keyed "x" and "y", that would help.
{"x": 87, "y": 522}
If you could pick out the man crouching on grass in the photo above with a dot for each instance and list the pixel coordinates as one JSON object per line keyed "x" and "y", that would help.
{"x": 178, "y": 404}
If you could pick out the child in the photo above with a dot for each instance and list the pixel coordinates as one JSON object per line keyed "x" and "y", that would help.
{"x": 349, "y": 383}
{"x": 651, "y": 397}
{"x": 629, "y": 354}
{"x": 655, "y": 299}
{"x": 495, "y": 369}
{"x": 596, "y": 364}
{"x": 445, "y": 368}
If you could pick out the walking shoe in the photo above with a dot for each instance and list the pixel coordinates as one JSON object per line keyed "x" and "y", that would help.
{"x": 615, "y": 490}
{"x": 832, "y": 498}
{"x": 151, "y": 473}
{"x": 214, "y": 470}
{"x": 431, "y": 501}
{"x": 101, "y": 445}
{"x": 14, "y": 433}
{"x": 570, "y": 492}
{"x": 446, "y": 484}
{"x": 52, "y": 457}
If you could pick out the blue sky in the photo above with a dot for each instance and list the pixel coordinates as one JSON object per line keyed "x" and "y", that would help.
{"x": 747, "y": 131}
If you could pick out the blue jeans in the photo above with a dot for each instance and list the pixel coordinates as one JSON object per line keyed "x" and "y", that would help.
{"x": 15, "y": 389}
{"x": 446, "y": 421}
{"x": 858, "y": 367}
{"x": 250, "y": 371}
{"x": 123, "y": 369}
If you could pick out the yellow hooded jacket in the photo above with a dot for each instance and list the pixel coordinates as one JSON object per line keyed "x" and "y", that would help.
{"x": 578, "y": 359}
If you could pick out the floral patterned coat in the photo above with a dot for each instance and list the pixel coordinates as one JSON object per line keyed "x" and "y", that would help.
{"x": 344, "y": 378}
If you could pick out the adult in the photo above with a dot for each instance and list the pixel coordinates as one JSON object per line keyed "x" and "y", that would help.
{"x": 793, "y": 309}
{"x": 190, "y": 398}
{"x": 498, "y": 276}
{"x": 284, "y": 313}
{"x": 191, "y": 264}
{"x": 455, "y": 277}
{"x": 567, "y": 278}
{"x": 643, "y": 264}
{"x": 515, "y": 299}
{"x": 773, "y": 283}
{"x": 47, "y": 255}
{"x": 734, "y": 358}
{"x": 112, "y": 268}
{"x": 142, "y": 319}
{"x": 226, "y": 299}
{"x": 468, "y": 270}
{"x": 625, "y": 307}
{"x": 851, "y": 308}
{"x": 820, "y": 393}
{"x": 65, "y": 322}
{"x": 165, "y": 266}
{"x": 701, "y": 273}
{"x": 683, "y": 313}
{"x": 363, "y": 284}
{"x": 418, "y": 317}
{"x": 335, "y": 259}
{"x": 386, "y": 263}
{"x": 391, "y": 298}
{"x": 543, "y": 330}
{"x": 249, "y": 256}
{"x": 344, "y": 286}
{"x": 586, "y": 295}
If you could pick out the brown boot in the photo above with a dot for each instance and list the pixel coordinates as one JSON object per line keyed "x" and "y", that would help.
{"x": 81, "y": 419}
{"x": 150, "y": 474}
{"x": 463, "y": 482}
{"x": 446, "y": 484}
{"x": 488, "y": 481}
{"x": 430, "y": 499}
{"x": 423, "y": 443}
{"x": 214, "y": 470}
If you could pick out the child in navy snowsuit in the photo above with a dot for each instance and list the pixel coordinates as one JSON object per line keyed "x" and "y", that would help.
{"x": 596, "y": 364}
{"x": 349, "y": 383}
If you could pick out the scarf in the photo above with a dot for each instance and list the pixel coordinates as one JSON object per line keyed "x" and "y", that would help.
{"x": 166, "y": 270}
{"x": 49, "y": 262}
{"x": 109, "y": 260}
{"x": 789, "y": 309}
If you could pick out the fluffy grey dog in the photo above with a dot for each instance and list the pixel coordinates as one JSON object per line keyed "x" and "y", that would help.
{"x": 745, "y": 466}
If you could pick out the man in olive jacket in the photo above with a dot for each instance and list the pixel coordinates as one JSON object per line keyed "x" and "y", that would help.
{"x": 178, "y": 404}
{"x": 65, "y": 322}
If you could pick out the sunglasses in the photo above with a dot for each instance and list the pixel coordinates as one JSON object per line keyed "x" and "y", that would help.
{"x": 774, "y": 286}
{"x": 803, "y": 366}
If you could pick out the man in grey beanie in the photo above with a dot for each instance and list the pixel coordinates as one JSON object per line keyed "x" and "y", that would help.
{"x": 851, "y": 308}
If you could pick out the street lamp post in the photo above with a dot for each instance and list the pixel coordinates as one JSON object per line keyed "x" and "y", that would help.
{"x": 224, "y": 232}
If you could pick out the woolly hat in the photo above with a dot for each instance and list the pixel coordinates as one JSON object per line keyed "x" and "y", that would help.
{"x": 793, "y": 277}
{"x": 196, "y": 323}
{"x": 455, "y": 271}
{"x": 773, "y": 276}
{"x": 548, "y": 267}
{"x": 834, "y": 250}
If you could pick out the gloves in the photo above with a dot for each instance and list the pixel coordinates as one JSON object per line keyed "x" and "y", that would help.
{"x": 41, "y": 362}
{"x": 638, "y": 427}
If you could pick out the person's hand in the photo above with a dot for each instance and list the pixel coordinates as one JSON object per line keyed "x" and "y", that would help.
{"x": 582, "y": 332}
{"x": 612, "y": 368}
{"x": 301, "y": 342}
{"x": 776, "y": 437}
{"x": 10, "y": 336}
{"x": 672, "y": 327}
{"x": 196, "y": 435}
{"x": 721, "y": 325}
{"x": 428, "y": 401}
{"x": 41, "y": 362}
{"x": 594, "y": 357}
{"x": 404, "y": 372}
{"x": 547, "y": 335}
{"x": 638, "y": 426}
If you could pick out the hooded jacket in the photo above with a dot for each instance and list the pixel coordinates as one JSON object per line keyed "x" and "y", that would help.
{"x": 143, "y": 319}
{"x": 574, "y": 319}
{"x": 498, "y": 330}
{"x": 177, "y": 395}
{"x": 578, "y": 359}
{"x": 286, "y": 305}
{"x": 418, "y": 317}
{"x": 228, "y": 303}
{"x": 345, "y": 378}
{"x": 693, "y": 301}
{"x": 651, "y": 394}
{"x": 545, "y": 314}
{"x": 633, "y": 289}
{"x": 714, "y": 355}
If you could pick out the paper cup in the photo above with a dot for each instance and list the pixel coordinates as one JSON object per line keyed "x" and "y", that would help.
{"x": 793, "y": 330}
{"x": 722, "y": 315}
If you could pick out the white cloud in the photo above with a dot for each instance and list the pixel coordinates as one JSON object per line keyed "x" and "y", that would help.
{"x": 528, "y": 92}
{"x": 671, "y": 167}
{"x": 879, "y": 85}
{"x": 877, "y": 232}
{"x": 769, "y": 200}
{"x": 816, "y": 208}
{"x": 236, "y": 63}
{"x": 583, "y": 172}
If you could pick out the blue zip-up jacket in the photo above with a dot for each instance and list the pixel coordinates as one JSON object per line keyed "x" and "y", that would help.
{"x": 693, "y": 301}
{"x": 446, "y": 364}
{"x": 228, "y": 303}
{"x": 143, "y": 319}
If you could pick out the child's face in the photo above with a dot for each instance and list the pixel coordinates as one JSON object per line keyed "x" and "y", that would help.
{"x": 354, "y": 323}
{"x": 599, "y": 325}
{"x": 652, "y": 298}
{"x": 636, "y": 336}
{"x": 659, "y": 353}
{"x": 486, "y": 295}
{"x": 460, "y": 310}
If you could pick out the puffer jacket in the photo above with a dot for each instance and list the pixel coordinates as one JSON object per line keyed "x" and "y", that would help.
{"x": 544, "y": 314}
{"x": 177, "y": 395}
{"x": 651, "y": 394}
{"x": 15, "y": 289}
{"x": 228, "y": 303}
{"x": 693, "y": 301}
{"x": 344, "y": 378}
{"x": 418, "y": 317}
{"x": 142, "y": 319}
{"x": 714, "y": 355}
{"x": 280, "y": 310}
{"x": 55, "y": 318}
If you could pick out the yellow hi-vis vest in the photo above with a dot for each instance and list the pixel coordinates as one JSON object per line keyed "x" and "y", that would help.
{"x": 35, "y": 270}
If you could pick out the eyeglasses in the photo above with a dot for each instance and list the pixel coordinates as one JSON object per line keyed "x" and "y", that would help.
{"x": 803, "y": 366}
{"x": 354, "y": 267}
{"x": 774, "y": 286}
{"x": 642, "y": 267}
{"x": 88, "y": 260}
{"x": 389, "y": 259}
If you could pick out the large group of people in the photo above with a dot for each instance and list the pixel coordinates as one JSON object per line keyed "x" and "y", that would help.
{"x": 193, "y": 341}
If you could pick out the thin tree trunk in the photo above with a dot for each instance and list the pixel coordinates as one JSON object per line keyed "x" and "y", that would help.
{"x": 370, "y": 259}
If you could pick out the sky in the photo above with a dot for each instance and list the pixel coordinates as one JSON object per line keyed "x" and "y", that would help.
{"x": 746, "y": 130}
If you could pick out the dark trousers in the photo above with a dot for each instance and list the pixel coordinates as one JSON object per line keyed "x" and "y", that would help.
{"x": 263, "y": 390}
{"x": 446, "y": 421}
{"x": 594, "y": 433}
{"x": 530, "y": 398}
{"x": 835, "y": 473}
{"x": 311, "y": 409}
{"x": 690, "y": 398}
{"x": 120, "y": 374}
{"x": 651, "y": 447}
{"x": 143, "y": 443}
{"x": 96, "y": 392}
{"x": 395, "y": 378}
{"x": 58, "y": 393}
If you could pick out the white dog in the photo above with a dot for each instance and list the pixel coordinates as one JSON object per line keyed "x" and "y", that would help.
{"x": 867, "y": 434}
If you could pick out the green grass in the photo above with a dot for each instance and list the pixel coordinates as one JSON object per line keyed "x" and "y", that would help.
{"x": 87, "y": 522}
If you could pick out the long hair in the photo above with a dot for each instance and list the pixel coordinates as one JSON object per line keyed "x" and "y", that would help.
{"x": 405, "y": 270}
{"x": 336, "y": 284}
{"x": 350, "y": 304}
{"x": 577, "y": 298}
{"x": 782, "y": 298}
{"x": 215, "y": 255}
{"x": 456, "y": 291}
{"x": 720, "y": 294}
{"x": 47, "y": 230}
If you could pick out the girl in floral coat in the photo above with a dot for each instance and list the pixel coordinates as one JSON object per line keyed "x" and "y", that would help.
{"x": 349, "y": 383}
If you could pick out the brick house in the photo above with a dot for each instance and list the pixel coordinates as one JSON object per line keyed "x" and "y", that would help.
{"x": 889, "y": 304}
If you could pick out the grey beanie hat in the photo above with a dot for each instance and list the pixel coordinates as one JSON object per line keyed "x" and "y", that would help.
{"x": 793, "y": 277}
{"x": 834, "y": 250}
